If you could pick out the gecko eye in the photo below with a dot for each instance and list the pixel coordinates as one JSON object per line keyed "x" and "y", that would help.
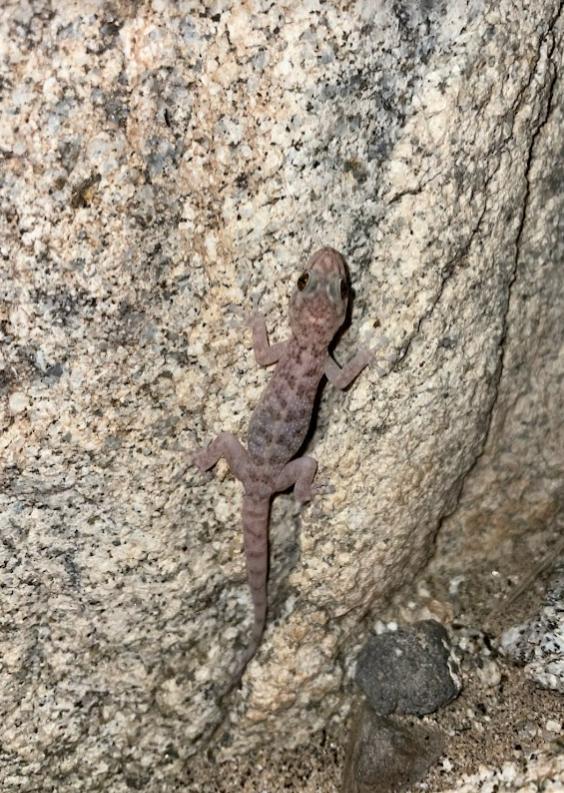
{"x": 344, "y": 289}
{"x": 302, "y": 281}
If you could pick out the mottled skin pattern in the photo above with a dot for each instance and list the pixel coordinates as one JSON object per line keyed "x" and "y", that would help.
{"x": 282, "y": 417}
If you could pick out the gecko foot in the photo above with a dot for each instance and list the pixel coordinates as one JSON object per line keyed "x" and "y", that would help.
{"x": 243, "y": 317}
{"x": 201, "y": 459}
{"x": 379, "y": 357}
{"x": 307, "y": 493}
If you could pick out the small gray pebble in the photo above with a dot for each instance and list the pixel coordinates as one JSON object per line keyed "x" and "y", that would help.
{"x": 408, "y": 670}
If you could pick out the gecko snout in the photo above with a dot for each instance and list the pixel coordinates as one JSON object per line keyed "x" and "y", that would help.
{"x": 329, "y": 265}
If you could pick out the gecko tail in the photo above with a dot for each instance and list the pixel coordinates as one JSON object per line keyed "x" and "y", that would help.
{"x": 242, "y": 663}
{"x": 255, "y": 531}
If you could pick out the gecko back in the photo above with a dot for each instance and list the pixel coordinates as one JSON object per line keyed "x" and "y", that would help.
{"x": 318, "y": 306}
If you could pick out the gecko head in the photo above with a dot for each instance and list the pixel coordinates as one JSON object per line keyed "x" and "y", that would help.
{"x": 319, "y": 302}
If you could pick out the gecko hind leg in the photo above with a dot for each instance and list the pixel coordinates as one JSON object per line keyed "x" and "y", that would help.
{"x": 300, "y": 473}
{"x": 230, "y": 448}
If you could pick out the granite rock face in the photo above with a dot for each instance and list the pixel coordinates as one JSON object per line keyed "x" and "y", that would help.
{"x": 163, "y": 166}
{"x": 515, "y": 488}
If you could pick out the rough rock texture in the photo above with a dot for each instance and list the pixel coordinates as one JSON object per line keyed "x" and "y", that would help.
{"x": 163, "y": 164}
{"x": 516, "y": 485}
{"x": 408, "y": 670}
{"x": 538, "y": 644}
{"x": 540, "y": 773}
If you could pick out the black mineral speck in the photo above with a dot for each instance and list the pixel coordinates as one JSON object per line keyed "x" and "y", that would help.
{"x": 55, "y": 371}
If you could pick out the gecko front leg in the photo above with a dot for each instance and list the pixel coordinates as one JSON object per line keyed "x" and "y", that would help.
{"x": 265, "y": 353}
{"x": 341, "y": 377}
{"x": 230, "y": 448}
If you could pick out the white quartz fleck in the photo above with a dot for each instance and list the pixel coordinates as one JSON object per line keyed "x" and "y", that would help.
{"x": 18, "y": 402}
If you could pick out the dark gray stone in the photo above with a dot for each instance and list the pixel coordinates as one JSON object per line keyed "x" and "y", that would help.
{"x": 408, "y": 670}
{"x": 384, "y": 755}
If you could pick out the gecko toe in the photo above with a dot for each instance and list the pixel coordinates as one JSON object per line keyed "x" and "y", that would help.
{"x": 303, "y": 495}
{"x": 323, "y": 489}
{"x": 200, "y": 459}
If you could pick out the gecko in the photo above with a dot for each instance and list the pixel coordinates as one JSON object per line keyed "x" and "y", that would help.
{"x": 282, "y": 417}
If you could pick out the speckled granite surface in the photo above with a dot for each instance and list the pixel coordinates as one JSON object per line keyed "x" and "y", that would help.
{"x": 538, "y": 643}
{"x": 164, "y": 164}
{"x": 544, "y": 773}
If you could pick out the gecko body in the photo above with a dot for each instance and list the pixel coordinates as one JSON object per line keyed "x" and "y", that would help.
{"x": 282, "y": 417}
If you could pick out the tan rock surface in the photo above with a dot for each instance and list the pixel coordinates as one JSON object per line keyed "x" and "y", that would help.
{"x": 164, "y": 164}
